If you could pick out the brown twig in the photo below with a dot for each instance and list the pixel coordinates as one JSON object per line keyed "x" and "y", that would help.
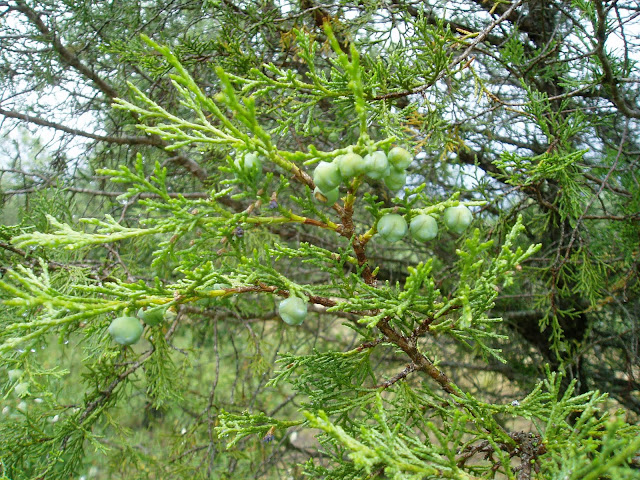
{"x": 411, "y": 367}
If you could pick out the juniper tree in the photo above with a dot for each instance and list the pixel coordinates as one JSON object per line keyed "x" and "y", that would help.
{"x": 299, "y": 316}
